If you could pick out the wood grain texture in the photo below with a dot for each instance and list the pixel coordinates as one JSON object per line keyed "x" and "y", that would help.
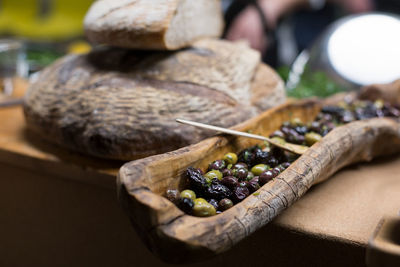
{"x": 153, "y": 24}
{"x": 122, "y": 104}
{"x": 176, "y": 237}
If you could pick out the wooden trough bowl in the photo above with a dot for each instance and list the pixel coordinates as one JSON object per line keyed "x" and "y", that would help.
{"x": 177, "y": 237}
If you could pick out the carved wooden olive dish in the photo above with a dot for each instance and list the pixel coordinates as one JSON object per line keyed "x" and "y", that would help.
{"x": 177, "y": 237}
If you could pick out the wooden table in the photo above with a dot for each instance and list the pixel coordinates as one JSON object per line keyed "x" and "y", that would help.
{"x": 59, "y": 208}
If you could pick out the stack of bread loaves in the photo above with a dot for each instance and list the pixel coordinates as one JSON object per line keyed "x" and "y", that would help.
{"x": 120, "y": 101}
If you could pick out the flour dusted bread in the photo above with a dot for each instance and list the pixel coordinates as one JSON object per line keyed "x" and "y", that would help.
{"x": 122, "y": 104}
{"x": 153, "y": 24}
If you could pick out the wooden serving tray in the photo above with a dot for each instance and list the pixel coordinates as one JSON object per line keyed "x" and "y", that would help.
{"x": 177, "y": 237}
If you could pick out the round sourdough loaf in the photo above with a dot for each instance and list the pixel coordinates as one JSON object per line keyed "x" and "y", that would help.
{"x": 153, "y": 24}
{"x": 122, "y": 104}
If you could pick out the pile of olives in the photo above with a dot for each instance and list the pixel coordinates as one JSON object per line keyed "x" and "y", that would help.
{"x": 297, "y": 132}
{"x": 231, "y": 179}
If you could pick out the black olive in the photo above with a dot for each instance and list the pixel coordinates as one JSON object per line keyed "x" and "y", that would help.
{"x": 197, "y": 182}
{"x": 218, "y": 191}
{"x": 247, "y": 156}
{"x": 186, "y": 205}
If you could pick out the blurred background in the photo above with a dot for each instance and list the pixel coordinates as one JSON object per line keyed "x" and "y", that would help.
{"x": 34, "y": 33}
{"x": 47, "y": 29}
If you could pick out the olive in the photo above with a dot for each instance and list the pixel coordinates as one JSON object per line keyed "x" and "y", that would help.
{"x": 188, "y": 194}
{"x": 244, "y": 183}
{"x": 311, "y": 138}
{"x": 230, "y": 158}
{"x": 202, "y": 208}
{"x": 272, "y": 161}
{"x": 296, "y": 122}
{"x": 261, "y": 156}
{"x": 218, "y": 191}
{"x": 230, "y": 181}
{"x": 197, "y": 182}
{"x": 217, "y": 165}
{"x": 227, "y": 172}
{"x": 213, "y": 202}
{"x": 266, "y": 176}
{"x": 255, "y": 179}
{"x": 276, "y": 170}
{"x": 240, "y": 193}
{"x": 186, "y": 205}
{"x": 250, "y": 176}
{"x": 253, "y": 186}
{"x": 173, "y": 195}
{"x": 247, "y": 156}
{"x": 240, "y": 165}
{"x": 259, "y": 168}
{"x": 213, "y": 174}
{"x": 315, "y": 126}
{"x": 285, "y": 165}
{"x": 241, "y": 173}
{"x": 278, "y": 133}
{"x": 225, "y": 204}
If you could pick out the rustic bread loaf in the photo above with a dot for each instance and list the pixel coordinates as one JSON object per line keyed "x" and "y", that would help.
{"x": 153, "y": 24}
{"x": 122, "y": 104}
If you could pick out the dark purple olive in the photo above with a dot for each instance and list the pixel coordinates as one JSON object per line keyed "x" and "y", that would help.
{"x": 266, "y": 176}
{"x": 227, "y": 172}
{"x": 253, "y": 186}
{"x": 173, "y": 195}
{"x": 225, "y": 204}
{"x": 230, "y": 181}
{"x": 240, "y": 165}
{"x": 186, "y": 205}
{"x": 213, "y": 202}
{"x": 277, "y": 170}
{"x": 255, "y": 179}
{"x": 241, "y": 173}
{"x": 315, "y": 126}
{"x": 285, "y": 165}
{"x": 240, "y": 193}
{"x": 217, "y": 165}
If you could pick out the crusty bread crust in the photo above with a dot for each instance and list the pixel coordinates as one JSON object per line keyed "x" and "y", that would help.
{"x": 153, "y": 24}
{"x": 122, "y": 104}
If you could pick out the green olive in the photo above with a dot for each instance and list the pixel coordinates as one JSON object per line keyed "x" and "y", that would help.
{"x": 311, "y": 138}
{"x": 188, "y": 194}
{"x": 259, "y": 168}
{"x": 202, "y": 208}
{"x": 213, "y": 174}
{"x": 230, "y": 158}
{"x": 296, "y": 121}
